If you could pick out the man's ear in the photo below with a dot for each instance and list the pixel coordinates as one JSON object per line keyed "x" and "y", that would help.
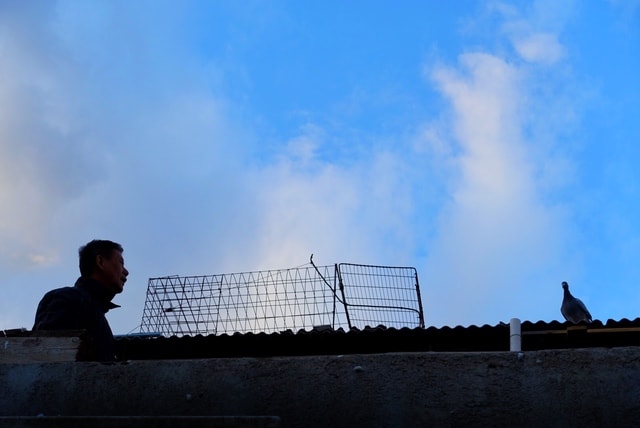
{"x": 99, "y": 261}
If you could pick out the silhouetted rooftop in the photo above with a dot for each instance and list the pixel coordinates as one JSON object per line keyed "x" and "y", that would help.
{"x": 535, "y": 336}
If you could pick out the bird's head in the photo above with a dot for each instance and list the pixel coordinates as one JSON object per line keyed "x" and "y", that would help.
{"x": 565, "y": 285}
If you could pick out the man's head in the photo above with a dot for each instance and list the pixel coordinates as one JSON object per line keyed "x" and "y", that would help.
{"x": 102, "y": 260}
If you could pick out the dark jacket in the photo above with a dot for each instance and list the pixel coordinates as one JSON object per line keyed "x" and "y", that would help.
{"x": 81, "y": 307}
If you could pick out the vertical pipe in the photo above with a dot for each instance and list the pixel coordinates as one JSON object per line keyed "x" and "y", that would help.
{"x": 515, "y": 335}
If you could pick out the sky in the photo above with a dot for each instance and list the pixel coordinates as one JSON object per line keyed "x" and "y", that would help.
{"x": 494, "y": 146}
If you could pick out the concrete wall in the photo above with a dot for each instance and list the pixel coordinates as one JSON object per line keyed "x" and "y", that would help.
{"x": 560, "y": 388}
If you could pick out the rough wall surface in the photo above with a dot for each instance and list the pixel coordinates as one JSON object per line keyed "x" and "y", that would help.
{"x": 559, "y": 388}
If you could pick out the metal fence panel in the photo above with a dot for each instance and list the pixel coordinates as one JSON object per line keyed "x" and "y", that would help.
{"x": 336, "y": 296}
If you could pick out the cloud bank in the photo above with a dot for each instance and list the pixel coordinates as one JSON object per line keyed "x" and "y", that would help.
{"x": 129, "y": 135}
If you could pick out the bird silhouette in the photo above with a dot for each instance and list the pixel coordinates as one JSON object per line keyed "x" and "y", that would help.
{"x": 572, "y": 308}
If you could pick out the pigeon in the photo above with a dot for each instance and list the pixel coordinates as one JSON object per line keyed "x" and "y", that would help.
{"x": 572, "y": 308}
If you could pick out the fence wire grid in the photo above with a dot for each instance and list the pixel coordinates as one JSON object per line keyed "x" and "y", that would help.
{"x": 335, "y": 296}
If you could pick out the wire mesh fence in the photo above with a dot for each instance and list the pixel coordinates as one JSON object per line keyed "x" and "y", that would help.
{"x": 334, "y": 296}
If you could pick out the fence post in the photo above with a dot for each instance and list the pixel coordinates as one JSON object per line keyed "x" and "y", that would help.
{"x": 344, "y": 298}
{"x": 421, "y": 316}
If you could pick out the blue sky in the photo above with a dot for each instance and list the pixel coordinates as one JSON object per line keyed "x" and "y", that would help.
{"x": 493, "y": 146}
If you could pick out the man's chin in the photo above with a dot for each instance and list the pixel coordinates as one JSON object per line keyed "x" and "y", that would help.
{"x": 117, "y": 288}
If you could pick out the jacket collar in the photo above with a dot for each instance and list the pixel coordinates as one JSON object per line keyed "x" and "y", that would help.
{"x": 98, "y": 292}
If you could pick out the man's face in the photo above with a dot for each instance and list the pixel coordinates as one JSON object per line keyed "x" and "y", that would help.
{"x": 111, "y": 271}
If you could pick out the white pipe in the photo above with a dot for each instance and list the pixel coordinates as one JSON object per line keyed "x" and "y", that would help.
{"x": 515, "y": 335}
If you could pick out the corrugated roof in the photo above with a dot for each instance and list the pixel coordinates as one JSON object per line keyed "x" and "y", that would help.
{"x": 535, "y": 336}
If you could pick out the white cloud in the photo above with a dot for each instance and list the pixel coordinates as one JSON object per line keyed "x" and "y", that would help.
{"x": 341, "y": 213}
{"x": 542, "y": 48}
{"x": 44, "y": 158}
{"x": 496, "y": 235}
{"x": 90, "y": 127}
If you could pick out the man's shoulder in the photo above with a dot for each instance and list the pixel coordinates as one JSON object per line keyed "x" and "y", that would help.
{"x": 66, "y": 293}
{"x": 63, "y": 308}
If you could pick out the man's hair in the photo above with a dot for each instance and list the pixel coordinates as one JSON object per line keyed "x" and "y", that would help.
{"x": 90, "y": 251}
